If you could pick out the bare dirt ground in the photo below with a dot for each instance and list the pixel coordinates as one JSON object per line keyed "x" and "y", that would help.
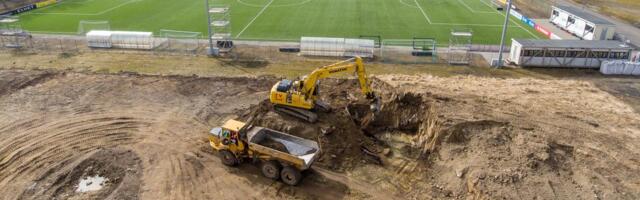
{"x": 435, "y": 138}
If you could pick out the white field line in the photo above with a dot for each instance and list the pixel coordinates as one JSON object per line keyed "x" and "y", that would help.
{"x": 449, "y": 24}
{"x": 517, "y": 24}
{"x": 254, "y": 18}
{"x": 89, "y": 14}
{"x": 423, "y": 13}
{"x": 473, "y": 10}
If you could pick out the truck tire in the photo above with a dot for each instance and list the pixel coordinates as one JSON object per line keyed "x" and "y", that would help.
{"x": 271, "y": 169}
{"x": 290, "y": 175}
{"x": 228, "y": 158}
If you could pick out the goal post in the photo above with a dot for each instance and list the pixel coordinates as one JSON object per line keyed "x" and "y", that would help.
{"x": 418, "y": 50}
{"x": 181, "y": 40}
{"x": 85, "y": 26}
{"x": 460, "y": 42}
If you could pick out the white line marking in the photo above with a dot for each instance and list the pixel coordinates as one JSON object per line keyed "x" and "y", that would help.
{"x": 423, "y": 13}
{"x": 273, "y": 6}
{"x": 452, "y": 24}
{"x": 90, "y": 14}
{"x": 472, "y": 10}
{"x": 517, "y": 24}
{"x": 254, "y": 18}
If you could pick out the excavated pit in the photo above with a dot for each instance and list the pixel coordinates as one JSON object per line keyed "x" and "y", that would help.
{"x": 434, "y": 138}
{"x": 351, "y": 134}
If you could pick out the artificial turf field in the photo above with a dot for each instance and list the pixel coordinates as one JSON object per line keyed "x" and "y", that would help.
{"x": 288, "y": 19}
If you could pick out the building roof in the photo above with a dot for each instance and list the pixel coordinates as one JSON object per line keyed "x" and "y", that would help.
{"x": 585, "y": 15}
{"x": 573, "y": 44}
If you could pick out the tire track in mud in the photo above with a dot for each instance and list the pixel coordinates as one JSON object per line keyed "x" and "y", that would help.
{"x": 31, "y": 152}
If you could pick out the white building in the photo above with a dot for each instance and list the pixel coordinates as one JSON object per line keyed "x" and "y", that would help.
{"x": 582, "y": 24}
{"x": 567, "y": 53}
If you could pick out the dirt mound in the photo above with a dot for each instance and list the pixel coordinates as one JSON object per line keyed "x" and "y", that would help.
{"x": 121, "y": 170}
{"x": 347, "y": 135}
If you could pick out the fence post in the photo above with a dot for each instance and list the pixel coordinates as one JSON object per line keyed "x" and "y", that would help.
{"x": 61, "y": 45}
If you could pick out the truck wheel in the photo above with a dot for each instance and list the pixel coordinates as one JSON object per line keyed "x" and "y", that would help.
{"x": 290, "y": 176}
{"x": 271, "y": 169}
{"x": 228, "y": 158}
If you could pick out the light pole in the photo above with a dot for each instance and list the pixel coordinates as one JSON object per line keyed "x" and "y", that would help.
{"x": 210, "y": 50}
{"x": 504, "y": 34}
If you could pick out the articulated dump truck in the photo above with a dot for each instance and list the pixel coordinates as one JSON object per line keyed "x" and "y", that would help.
{"x": 282, "y": 156}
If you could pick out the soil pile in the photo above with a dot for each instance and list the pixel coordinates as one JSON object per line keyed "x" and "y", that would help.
{"x": 268, "y": 142}
{"x": 347, "y": 134}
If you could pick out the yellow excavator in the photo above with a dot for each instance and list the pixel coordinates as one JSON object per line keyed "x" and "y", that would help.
{"x": 299, "y": 98}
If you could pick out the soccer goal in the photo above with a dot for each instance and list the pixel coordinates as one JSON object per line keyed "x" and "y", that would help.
{"x": 409, "y": 51}
{"x": 180, "y": 40}
{"x": 85, "y": 26}
{"x": 460, "y": 43}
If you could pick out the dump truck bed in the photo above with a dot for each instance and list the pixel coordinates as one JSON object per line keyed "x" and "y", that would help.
{"x": 293, "y": 150}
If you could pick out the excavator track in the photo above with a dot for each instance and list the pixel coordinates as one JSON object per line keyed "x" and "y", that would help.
{"x": 297, "y": 113}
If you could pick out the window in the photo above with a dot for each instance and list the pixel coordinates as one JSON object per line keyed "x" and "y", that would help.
{"x": 555, "y": 53}
{"x": 571, "y": 20}
{"x": 555, "y": 13}
{"x": 619, "y": 55}
{"x": 548, "y": 53}
{"x": 575, "y": 54}
{"x": 588, "y": 28}
{"x": 599, "y": 54}
{"x": 530, "y": 53}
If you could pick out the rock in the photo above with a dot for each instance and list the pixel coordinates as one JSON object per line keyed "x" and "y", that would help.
{"x": 460, "y": 172}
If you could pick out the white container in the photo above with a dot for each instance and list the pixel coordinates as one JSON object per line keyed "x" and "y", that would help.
{"x": 339, "y": 47}
{"x": 120, "y": 39}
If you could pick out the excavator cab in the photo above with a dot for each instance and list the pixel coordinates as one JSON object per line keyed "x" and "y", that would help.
{"x": 284, "y": 85}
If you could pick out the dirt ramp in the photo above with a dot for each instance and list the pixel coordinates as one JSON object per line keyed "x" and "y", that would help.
{"x": 101, "y": 174}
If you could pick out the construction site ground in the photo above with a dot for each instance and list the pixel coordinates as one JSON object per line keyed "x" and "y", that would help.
{"x": 444, "y": 132}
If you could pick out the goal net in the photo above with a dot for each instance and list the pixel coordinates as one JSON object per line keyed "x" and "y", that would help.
{"x": 85, "y": 26}
{"x": 409, "y": 51}
{"x": 180, "y": 40}
{"x": 460, "y": 42}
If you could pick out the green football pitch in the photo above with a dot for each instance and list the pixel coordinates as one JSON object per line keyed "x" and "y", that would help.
{"x": 288, "y": 19}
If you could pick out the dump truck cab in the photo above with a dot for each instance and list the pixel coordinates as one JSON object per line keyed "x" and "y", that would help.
{"x": 227, "y": 137}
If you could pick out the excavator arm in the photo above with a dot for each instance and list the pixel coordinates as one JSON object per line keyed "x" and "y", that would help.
{"x": 353, "y": 65}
